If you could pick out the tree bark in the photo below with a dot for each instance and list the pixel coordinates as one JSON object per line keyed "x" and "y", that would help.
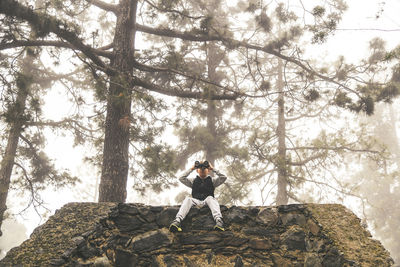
{"x": 211, "y": 144}
{"x": 282, "y": 195}
{"x": 116, "y": 143}
{"x": 213, "y": 61}
{"x": 16, "y": 127}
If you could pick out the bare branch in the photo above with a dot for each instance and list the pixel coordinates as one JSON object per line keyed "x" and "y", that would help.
{"x": 318, "y": 113}
{"x": 338, "y": 148}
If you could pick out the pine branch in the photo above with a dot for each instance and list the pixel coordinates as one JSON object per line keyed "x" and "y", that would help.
{"x": 342, "y": 191}
{"x": 172, "y": 11}
{"x": 21, "y": 43}
{"x": 305, "y": 161}
{"x": 73, "y": 123}
{"x": 188, "y": 36}
{"x": 305, "y": 115}
{"x": 147, "y": 68}
{"x": 173, "y": 92}
{"x": 46, "y": 24}
{"x": 105, "y": 6}
{"x": 35, "y": 200}
{"x": 232, "y": 43}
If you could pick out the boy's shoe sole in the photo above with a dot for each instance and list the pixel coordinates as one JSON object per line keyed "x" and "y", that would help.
{"x": 174, "y": 228}
{"x": 217, "y": 228}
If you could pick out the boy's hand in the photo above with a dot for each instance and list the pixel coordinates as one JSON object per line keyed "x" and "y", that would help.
{"x": 193, "y": 168}
{"x": 211, "y": 167}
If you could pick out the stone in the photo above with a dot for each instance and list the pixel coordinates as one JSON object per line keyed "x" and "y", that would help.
{"x": 238, "y": 261}
{"x": 293, "y": 219}
{"x": 147, "y": 215}
{"x": 209, "y": 255}
{"x": 188, "y": 262}
{"x": 312, "y": 260}
{"x": 131, "y": 209}
{"x": 332, "y": 258}
{"x": 78, "y": 240}
{"x": 124, "y": 258}
{"x": 68, "y": 252}
{"x": 291, "y": 208}
{"x": 156, "y": 209}
{"x": 103, "y": 262}
{"x": 197, "y": 239}
{"x": 171, "y": 261}
{"x": 148, "y": 227}
{"x": 85, "y": 251}
{"x": 204, "y": 222}
{"x": 260, "y": 244}
{"x": 315, "y": 245}
{"x": 236, "y": 215}
{"x": 166, "y": 216}
{"x": 280, "y": 261}
{"x": 267, "y": 216}
{"x": 57, "y": 262}
{"x": 151, "y": 240}
{"x": 104, "y": 234}
{"x": 294, "y": 239}
{"x": 260, "y": 231}
{"x": 313, "y": 227}
{"x": 127, "y": 223}
{"x": 235, "y": 241}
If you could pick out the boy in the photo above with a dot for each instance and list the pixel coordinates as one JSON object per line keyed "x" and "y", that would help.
{"x": 203, "y": 186}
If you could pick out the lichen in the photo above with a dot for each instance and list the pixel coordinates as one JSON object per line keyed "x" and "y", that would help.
{"x": 344, "y": 229}
{"x": 135, "y": 234}
{"x": 53, "y": 238}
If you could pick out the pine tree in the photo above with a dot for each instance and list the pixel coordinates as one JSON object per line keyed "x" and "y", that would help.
{"x": 125, "y": 79}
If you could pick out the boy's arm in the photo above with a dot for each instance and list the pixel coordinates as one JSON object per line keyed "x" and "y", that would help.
{"x": 185, "y": 180}
{"x": 220, "y": 179}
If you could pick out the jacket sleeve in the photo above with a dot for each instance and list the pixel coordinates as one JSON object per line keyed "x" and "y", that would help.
{"x": 220, "y": 179}
{"x": 185, "y": 180}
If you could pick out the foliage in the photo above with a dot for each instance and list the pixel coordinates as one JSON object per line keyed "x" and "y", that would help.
{"x": 378, "y": 181}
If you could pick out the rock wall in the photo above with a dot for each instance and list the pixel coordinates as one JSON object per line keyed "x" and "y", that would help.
{"x": 109, "y": 234}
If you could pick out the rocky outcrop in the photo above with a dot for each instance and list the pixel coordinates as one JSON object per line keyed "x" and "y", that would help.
{"x": 109, "y": 234}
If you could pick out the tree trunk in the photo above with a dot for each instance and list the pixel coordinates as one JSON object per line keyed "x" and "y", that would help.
{"x": 16, "y": 125}
{"x": 282, "y": 196}
{"x": 211, "y": 144}
{"x": 116, "y": 142}
{"x": 213, "y": 61}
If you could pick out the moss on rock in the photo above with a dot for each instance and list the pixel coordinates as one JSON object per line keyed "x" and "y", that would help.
{"x": 109, "y": 234}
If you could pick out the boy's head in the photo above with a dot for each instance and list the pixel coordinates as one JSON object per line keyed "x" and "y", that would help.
{"x": 202, "y": 171}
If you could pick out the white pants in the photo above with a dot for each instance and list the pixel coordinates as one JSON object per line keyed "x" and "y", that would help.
{"x": 211, "y": 202}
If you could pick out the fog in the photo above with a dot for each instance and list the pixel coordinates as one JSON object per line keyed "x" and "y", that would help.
{"x": 363, "y": 21}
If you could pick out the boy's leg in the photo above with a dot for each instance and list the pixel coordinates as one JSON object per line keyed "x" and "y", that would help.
{"x": 213, "y": 204}
{"x": 185, "y": 208}
{"x": 183, "y": 211}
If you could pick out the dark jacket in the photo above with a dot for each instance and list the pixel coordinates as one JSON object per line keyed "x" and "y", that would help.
{"x": 202, "y": 188}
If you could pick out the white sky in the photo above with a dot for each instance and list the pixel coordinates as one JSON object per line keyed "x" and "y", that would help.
{"x": 353, "y": 44}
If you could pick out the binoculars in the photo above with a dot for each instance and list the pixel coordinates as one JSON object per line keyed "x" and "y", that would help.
{"x": 204, "y": 165}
